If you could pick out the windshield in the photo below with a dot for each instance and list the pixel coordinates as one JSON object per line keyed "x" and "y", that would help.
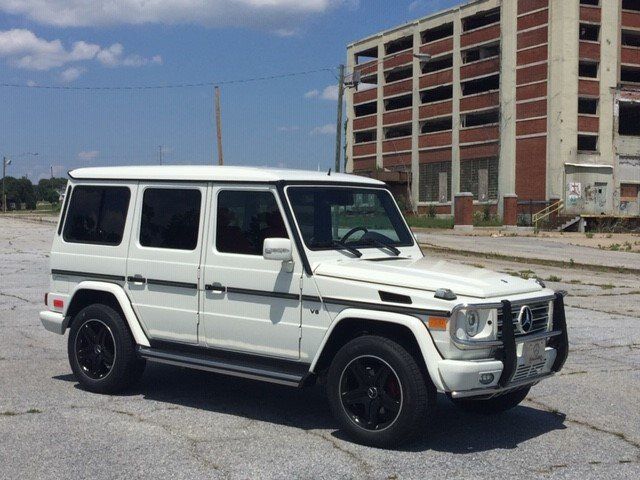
{"x": 331, "y": 217}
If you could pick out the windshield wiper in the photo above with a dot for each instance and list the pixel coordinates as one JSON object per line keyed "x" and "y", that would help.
{"x": 343, "y": 246}
{"x": 381, "y": 244}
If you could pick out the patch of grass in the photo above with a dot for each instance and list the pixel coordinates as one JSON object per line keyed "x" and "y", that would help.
{"x": 9, "y": 413}
{"x": 575, "y": 282}
{"x": 34, "y": 410}
{"x": 526, "y": 274}
{"x": 554, "y": 278}
{"x": 589, "y": 235}
{"x": 607, "y": 286}
{"x": 430, "y": 222}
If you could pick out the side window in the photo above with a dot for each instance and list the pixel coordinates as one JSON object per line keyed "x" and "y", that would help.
{"x": 170, "y": 218}
{"x": 67, "y": 197}
{"x": 97, "y": 215}
{"x": 245, "y": 219}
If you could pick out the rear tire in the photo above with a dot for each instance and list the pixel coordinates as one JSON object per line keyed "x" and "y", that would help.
{"x": 102, "y": 352}
{"x": 493, "y": 405}
{"x": 377, "y": 392}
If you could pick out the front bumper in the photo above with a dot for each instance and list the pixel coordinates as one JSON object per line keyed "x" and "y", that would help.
{"x": 53, "y": 321}
{"x": 462, "y": 378}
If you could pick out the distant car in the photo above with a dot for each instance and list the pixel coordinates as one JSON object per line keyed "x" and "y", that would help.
{"x": 289, "y": 277}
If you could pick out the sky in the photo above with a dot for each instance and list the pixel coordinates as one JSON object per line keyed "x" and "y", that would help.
{"x": 82, "y": 44}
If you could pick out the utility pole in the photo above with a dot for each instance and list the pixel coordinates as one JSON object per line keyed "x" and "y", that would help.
{"x": 51, "y": 171}
{"x": 5, "y": 162}
{"x": 339, "y": 122}
{"x": 160, "y": 154}
{"x": 219, "y": 126}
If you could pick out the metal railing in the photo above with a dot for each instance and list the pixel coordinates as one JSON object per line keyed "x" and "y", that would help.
{"x": 536, "y": 218}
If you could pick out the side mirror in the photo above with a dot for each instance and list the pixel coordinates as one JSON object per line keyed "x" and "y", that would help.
{"x": 277, "y": 249}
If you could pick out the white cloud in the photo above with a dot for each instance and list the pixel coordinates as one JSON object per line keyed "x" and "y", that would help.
{"x": 32, "y": 83}
{"x": 279, "y": 16}
{"x": 328, "y": 93}
{"x": 328, "y": 129}
{"x": 71, "y": 74}
{"x": 290, "y": 128}
{"x": 415, "y": 5}
{"x": 24, "y": 49}
{"x": 88, "y": 155}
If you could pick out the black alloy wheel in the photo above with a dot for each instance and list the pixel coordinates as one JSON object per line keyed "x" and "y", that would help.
{"x": 371, "y": 393}
{"x": 95, "y": 349}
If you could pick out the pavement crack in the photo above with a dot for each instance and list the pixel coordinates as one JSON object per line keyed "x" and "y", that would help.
{"x": 335, "y": 444}
{"x": 9, "y": 295}
{"x": 583, "y": 423}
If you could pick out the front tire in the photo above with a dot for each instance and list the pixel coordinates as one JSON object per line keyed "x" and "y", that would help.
{"x": 102, "y": 351}
{"x": 377, "y": 392}
{"x": 494, "y": 405}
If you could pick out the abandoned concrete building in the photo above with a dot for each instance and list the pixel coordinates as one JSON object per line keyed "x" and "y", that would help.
{"x": 534, "y": 98}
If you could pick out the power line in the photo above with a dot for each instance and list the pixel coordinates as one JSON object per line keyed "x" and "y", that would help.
{"x": 169, "y": 86}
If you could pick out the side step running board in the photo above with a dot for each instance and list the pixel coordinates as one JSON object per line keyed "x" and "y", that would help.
{"x": 210, "y": 363}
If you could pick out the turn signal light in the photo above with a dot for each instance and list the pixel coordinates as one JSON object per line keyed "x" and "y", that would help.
{"x": 437, "y": 323}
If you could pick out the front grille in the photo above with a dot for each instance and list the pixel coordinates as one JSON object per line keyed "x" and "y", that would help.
{"x": 540, "y": 312}
{"x": 527, "y": 371}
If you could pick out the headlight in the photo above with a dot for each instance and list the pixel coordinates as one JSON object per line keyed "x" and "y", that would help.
{"x": 476, "y": 324}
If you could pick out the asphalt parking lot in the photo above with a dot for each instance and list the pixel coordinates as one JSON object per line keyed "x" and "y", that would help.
{"x": 584, "y": 423}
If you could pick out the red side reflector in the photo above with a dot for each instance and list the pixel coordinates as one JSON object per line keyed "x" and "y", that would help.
{"x": 58, "y": 304}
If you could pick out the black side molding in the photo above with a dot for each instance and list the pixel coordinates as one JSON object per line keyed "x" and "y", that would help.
{"x": 167, "y": 283}
{"x": 97, "y": 276}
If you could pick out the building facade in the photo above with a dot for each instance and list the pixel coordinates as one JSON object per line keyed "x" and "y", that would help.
{"x": 537, "y": 98}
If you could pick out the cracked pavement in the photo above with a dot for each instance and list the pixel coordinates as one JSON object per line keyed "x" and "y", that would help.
{"x": 584, "y": 423}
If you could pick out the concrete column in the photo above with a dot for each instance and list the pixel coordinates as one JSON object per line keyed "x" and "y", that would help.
{"x": 415, "y": 119}
{"x": 609, "y": 45}
{"x": 510, "y": 210}
{"x": 463, "y": 211}
{"x": 508, "y": 63}
{"x": 380, "y": 99}
{"x": 455, "y": 113}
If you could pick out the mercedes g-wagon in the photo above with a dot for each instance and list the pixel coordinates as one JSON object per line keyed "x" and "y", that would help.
{"x": 289, "y": 277}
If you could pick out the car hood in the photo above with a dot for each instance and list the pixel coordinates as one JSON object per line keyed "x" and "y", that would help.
{"x": 428, "y": 274}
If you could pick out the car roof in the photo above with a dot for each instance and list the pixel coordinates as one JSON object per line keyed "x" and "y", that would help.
{"x": 213, "y": 173}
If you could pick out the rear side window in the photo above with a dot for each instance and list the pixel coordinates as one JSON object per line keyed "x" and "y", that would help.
{"x": 245, "y": 219}
{"x": 170, "y": 218}
{"x": 97, "y": 215}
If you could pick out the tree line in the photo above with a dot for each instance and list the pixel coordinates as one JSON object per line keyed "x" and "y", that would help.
{"x": 23, "y": 192}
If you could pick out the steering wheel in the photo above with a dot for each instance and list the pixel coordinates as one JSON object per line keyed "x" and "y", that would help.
{"x": 351, "y": 232}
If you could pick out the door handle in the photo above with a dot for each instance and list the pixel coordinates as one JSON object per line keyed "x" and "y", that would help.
{"x": 215, "y": 287}
{"x": 137, "y": 279}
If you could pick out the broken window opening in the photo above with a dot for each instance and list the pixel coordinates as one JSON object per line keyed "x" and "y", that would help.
{"x": 481, "y": 19}
{"x": 396, "y": 103}
{"x": 398, "y": 74}
{"x": 630, "y": 38}
{"x": 437, "y": 64}
{"x": 480, "y": 177}
{"x": 631, "y": 5}
{"x": 366, "y": 55}
{"x": 437, "y": 125}
{"x": 629, "y": 119}
{"x": 588, "y": 69}
{"x": 399, "y": 45}
{"x": 437, "y": 33}
{"x": 481, "y": 53}
{"x": 480, "y": 118}
{"x": 594, "y": 3}
{"x": 630, "y": 74}
{"x": 434, "y": 182}
{"x": 588, "y": 143}
{"x": 588, "y": 106}
{"x": 481, "y": 85}
{"x": 365, "y": 109}
{"x": 398, "y": 131}
{"x": 589, "y": 32}
{"x": 365, "y": 136}
{"x": 437, "y": 94}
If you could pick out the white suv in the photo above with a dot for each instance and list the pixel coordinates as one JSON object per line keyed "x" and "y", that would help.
{"x": 289, "y": 277}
